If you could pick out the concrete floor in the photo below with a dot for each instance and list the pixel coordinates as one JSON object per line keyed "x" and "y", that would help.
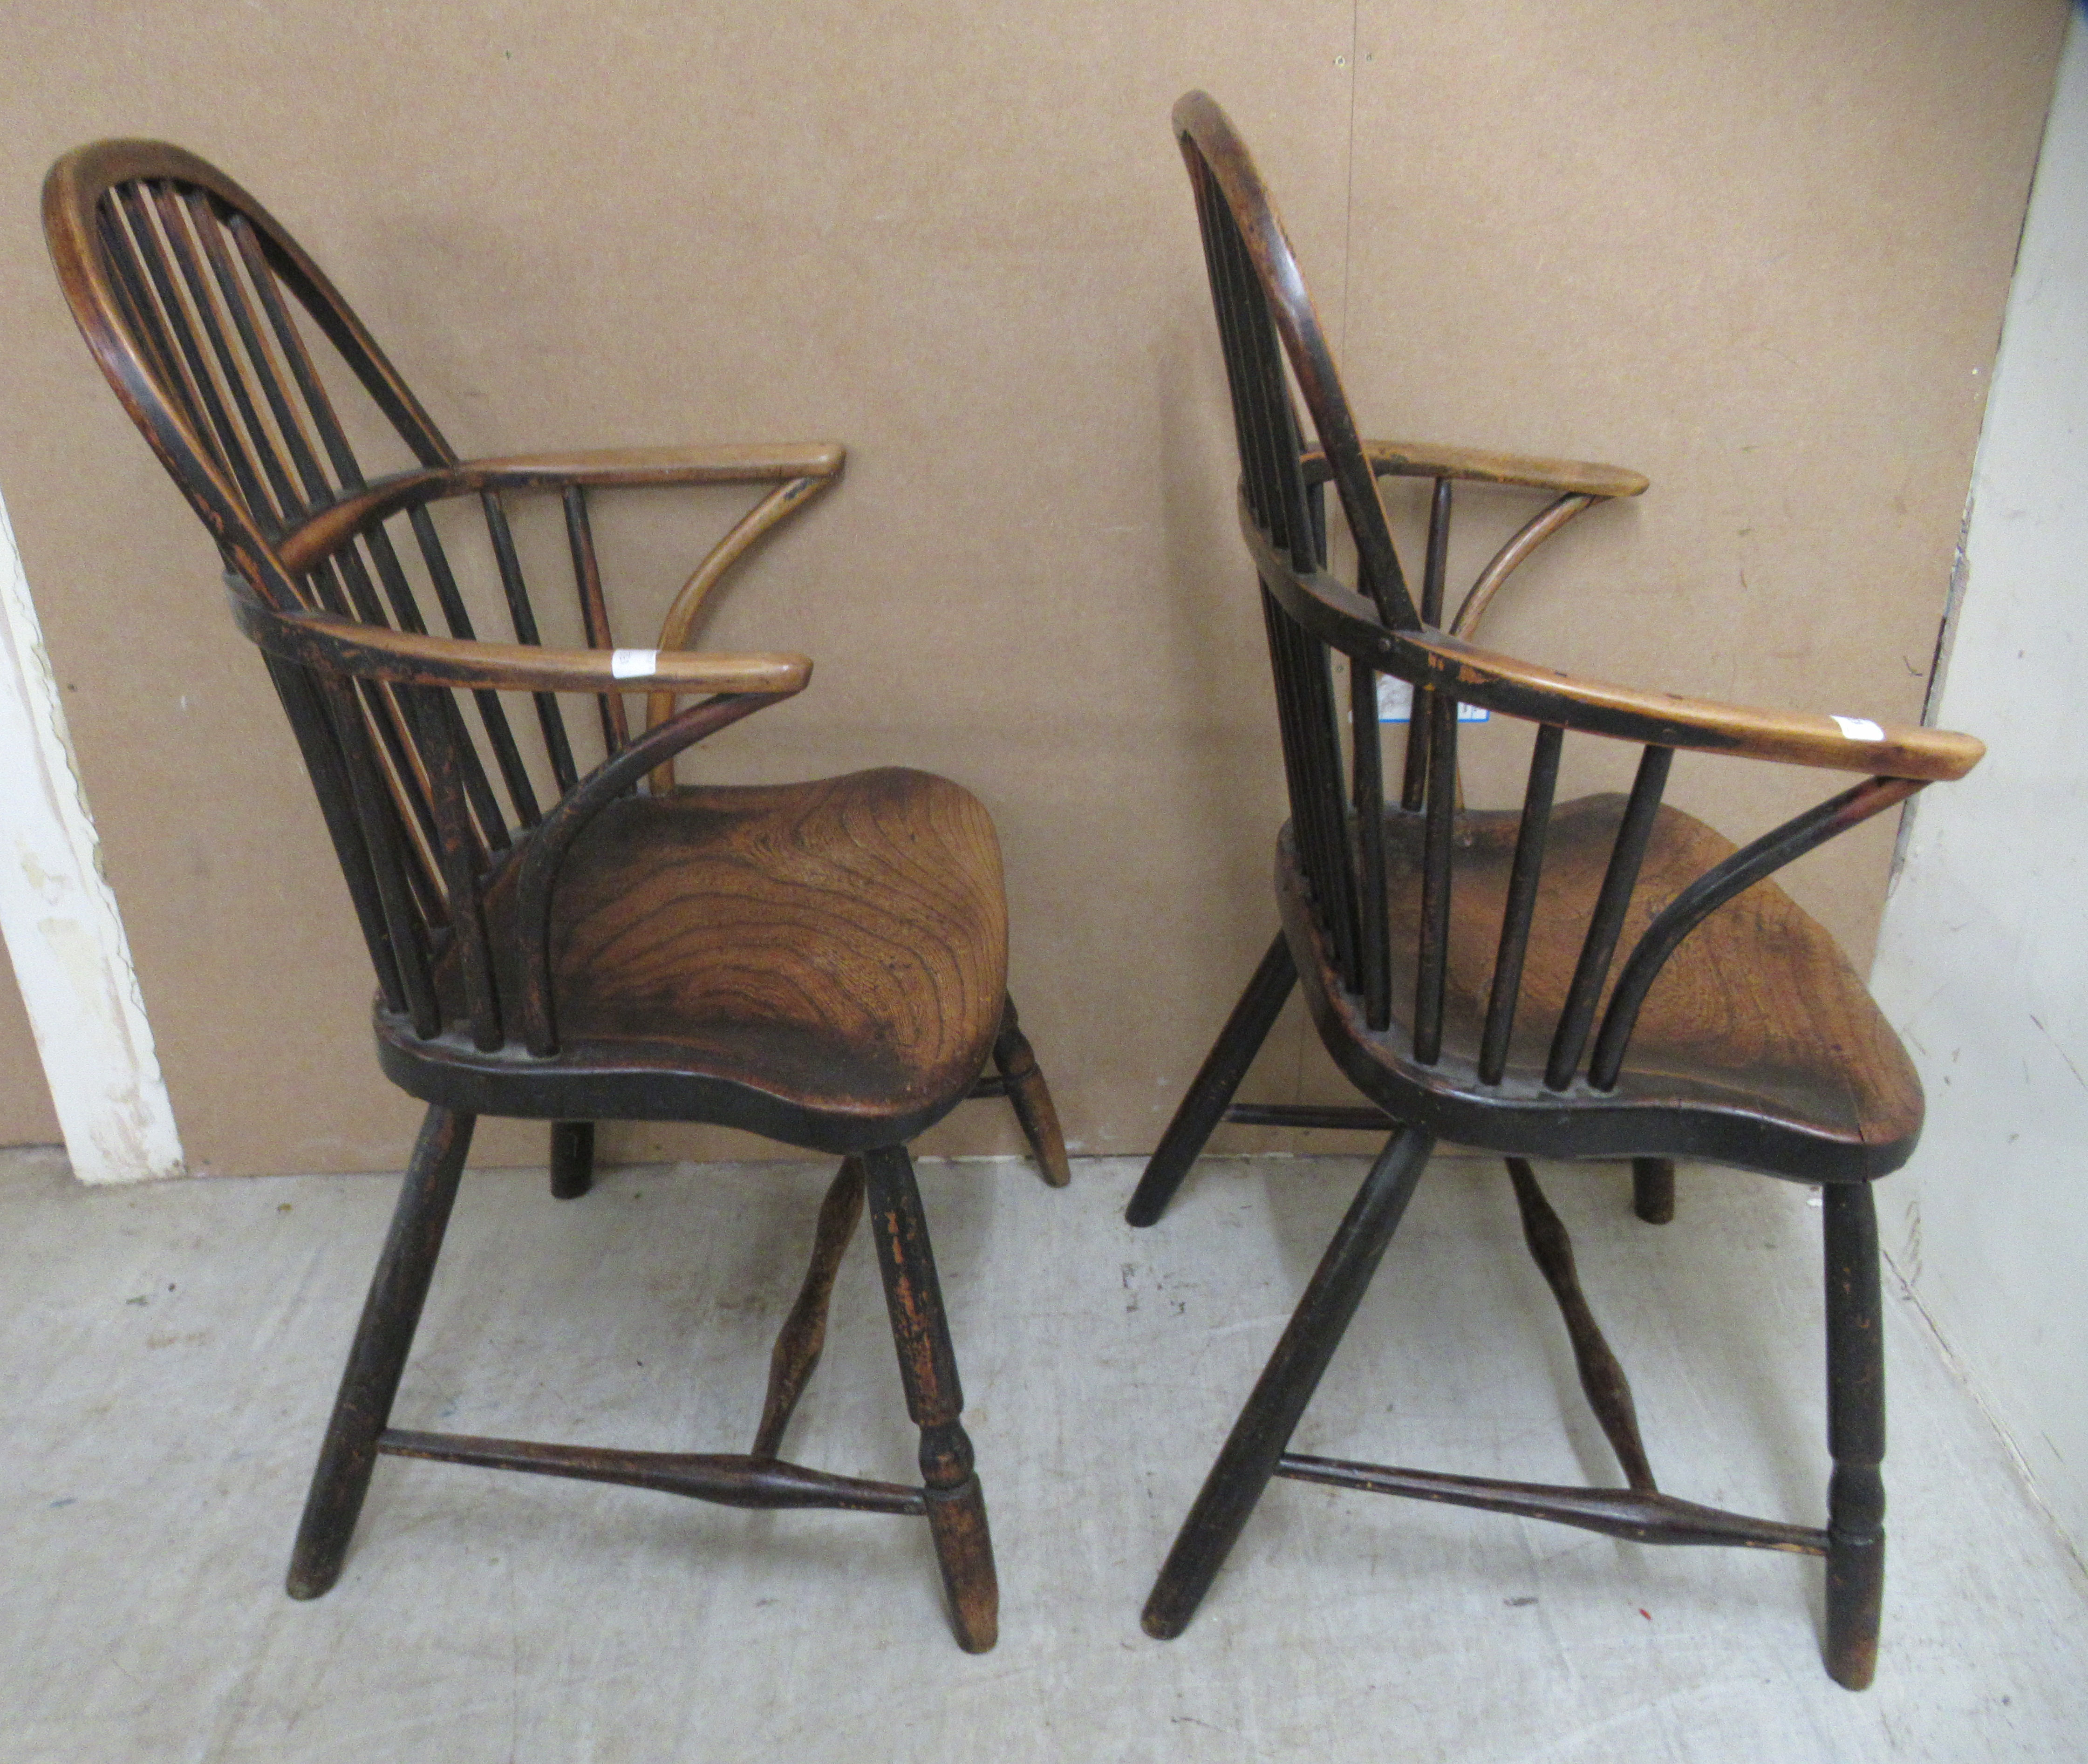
{"x": 167, "y": 1356}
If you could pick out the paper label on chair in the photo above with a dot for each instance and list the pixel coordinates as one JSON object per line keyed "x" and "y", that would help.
{"x": 1395, "y": 702}
{"x": 1858, "y": 728}
{"x": 624, "y": 662}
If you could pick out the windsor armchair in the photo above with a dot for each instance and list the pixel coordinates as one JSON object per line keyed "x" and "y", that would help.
{"x": 1457, "y": 963}
{"x": 823, "y": 963}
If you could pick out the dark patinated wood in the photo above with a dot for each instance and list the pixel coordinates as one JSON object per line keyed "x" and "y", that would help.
{"x": 1639, "y": 1516}
{"x": 383, "y": 1340}
{"x": 833, "y": 956}
{"x": 804, "y": 1331}
{"x": 1607, "y": 977}
{"x": 1603, "y": 1379}
{"x": 1256, "y": 1444}
{"x": 1759, "y": 1046}
{"x": 1855, "y": 1435}
{"x": 1333, "y": 1116}
{"x": 824, "y": 962}
{"x": 934, "y": 1399}
{"x": 1022, "y": 1081}
{"x": 730, "y": 1479}
{"x": 572, "y": 1158}
{"x": 1205, "y": 1100}
{"x": 1652, "y": 1189}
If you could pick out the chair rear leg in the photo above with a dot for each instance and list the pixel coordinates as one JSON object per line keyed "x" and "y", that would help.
{"x": 1015, "y": 1060}
{"x": 1652, "y": 1189}
{"x": 383, "y": 1339}
{"x": 1293, "y": 1372}
{"x": 1207, "y": 1097}
{"x": 804, "y": 1332}
{"x": 1855, "y": 1435}
{"x": 572, "y": 1158}
{"x": 928, "y": 1369}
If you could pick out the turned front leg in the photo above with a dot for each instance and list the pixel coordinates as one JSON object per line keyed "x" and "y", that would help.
{"x": 1856, "y": 1434}
{"x": 934, "y": 1399}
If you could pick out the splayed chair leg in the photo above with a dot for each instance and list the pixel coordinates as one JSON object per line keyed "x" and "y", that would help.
{"x": 804, "y": 1331}
{"x": 934, "y": 1399}
{"x": 1652, "y": 1189}
{"x": 383, "y": 1340}
{"x": 1206, "y": 1100}
{"x": 1015, "y": 1060}
{"x": 572, "y": 1158}
{"x": 1293, "y": 1372}
{"x": 1855, "y": 1435}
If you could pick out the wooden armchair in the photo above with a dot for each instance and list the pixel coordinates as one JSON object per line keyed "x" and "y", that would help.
{"x": 1458, "y": 965}
{"x": 824, "y": 964}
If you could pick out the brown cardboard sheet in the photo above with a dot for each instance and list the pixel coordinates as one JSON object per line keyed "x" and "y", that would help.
{"x": 1759, "y": 252}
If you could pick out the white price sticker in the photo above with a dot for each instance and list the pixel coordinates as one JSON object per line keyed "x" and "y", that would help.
{"x": 1395, "y": 702}
{"x": 623, "y": 664}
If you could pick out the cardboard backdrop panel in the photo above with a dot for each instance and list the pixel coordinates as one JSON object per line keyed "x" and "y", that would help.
{"x": 26, "y": 1115}
{"x": 1758, "y": 252}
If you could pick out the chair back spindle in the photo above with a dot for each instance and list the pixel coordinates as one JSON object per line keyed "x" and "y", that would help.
{"x": 249, "y": 374}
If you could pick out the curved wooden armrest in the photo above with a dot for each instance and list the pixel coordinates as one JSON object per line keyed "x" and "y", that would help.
{"x": 372, "y": 652}
{"x": 1425, "y": 459}
{"x": 324, "y": 532}
{"x": 1339, "y": 617}
{"x": 724, "y": 463}
{"x": 1567, "y": 477}
{"x": 1661, "y": 718}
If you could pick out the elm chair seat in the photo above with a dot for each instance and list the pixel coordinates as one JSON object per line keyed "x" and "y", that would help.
{"x": 825, "y": 962}
{"x": 1759, "y": 1043}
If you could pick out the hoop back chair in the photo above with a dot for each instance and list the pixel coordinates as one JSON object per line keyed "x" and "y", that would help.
{"x": 822, "y": 963}
{"x": 1458, "y": 965}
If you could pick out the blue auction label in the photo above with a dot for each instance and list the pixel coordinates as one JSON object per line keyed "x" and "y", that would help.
{"x": 1395, "y": 702}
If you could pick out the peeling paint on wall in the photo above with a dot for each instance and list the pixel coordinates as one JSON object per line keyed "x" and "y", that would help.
{"x": 59, "y": 917}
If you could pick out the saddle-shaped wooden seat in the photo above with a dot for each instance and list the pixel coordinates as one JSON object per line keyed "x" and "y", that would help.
{"x": 1759, "y": 1043}
{"x": 823, "y": 961}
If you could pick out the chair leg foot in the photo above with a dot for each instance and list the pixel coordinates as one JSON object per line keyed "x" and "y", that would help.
{"x": 1211, "y": 1090}
{"x": 935, "y": 1398}
{"x": 1855, "y": 1600}
{"x": 572, "y": 1158}
{"x": 964, "y": 1551}
{"x": 1015, "y": 1060}
{"x": 383, "y": 1340}
{"x": 1652, "y": 1189}
{"x": 1855, "y": 1435}
{"x": 1264, "y": 1427}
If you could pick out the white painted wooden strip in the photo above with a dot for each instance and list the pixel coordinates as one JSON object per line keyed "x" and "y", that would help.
{"x": 58, "y": 915}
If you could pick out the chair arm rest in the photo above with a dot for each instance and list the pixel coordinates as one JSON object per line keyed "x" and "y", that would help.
{"x": 1436, "y": 661}
{"x": 371, "y": 652}
{"x": 1574, "y": 477}
{"x": 1424, "y": 459}
{"x": 1542, "y": 695}
{"x": 325, "y": 531}
{"x": 724, "y": 463}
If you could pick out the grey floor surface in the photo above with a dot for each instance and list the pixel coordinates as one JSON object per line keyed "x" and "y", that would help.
{"x": 167, "y": 1355}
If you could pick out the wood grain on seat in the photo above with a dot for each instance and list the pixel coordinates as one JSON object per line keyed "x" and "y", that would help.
{"x": 1758, "y": 1013}
{"x": 841, "y": 945}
